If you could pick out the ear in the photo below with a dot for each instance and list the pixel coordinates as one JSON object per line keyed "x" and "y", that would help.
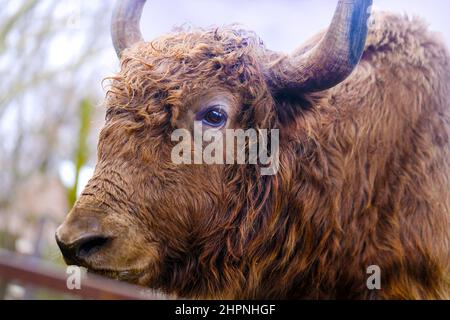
{"x": 290, "y": 104}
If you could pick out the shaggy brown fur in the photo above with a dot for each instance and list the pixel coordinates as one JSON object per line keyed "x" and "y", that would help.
{"x": 364, "y": 173}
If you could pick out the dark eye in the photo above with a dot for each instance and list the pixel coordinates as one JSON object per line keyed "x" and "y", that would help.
{"x": 214, "y": 117}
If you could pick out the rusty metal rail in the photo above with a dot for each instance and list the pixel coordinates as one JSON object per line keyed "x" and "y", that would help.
{"x": 29, "y": 270}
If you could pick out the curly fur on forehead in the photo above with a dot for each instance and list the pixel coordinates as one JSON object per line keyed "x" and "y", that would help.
{"x": 168, "y": 69}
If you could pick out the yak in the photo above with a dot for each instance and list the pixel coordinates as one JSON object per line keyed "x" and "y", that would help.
{"x": 363, "y": 115}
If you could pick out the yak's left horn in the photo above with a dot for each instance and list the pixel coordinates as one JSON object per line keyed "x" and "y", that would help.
{"x": 125, "y": 30}
{"x": 333, "y": 59}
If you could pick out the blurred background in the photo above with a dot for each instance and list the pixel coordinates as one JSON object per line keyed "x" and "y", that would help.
{"x": 53, "y": 57}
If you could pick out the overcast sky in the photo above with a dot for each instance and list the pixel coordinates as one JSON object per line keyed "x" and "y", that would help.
{"x": 282, "y": 24}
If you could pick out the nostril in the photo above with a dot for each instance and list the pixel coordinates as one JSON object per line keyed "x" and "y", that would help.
{"x": 89, "y": 245}
{"x": 79, "y": 250}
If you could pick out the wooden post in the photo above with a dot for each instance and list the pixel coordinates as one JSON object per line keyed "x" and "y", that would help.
{"x": 30, "y": 270}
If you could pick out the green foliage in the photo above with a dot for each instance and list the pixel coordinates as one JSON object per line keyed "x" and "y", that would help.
{"x": 82, "y": 150}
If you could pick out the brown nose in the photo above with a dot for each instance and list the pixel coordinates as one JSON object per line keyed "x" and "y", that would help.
{"x": 84, "y": 247}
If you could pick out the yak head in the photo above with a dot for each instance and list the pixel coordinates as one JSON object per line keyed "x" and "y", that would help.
{"x": 200, "y": 230}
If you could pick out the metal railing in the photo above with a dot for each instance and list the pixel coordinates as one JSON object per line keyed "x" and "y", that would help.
{"x": 29, "y": 270}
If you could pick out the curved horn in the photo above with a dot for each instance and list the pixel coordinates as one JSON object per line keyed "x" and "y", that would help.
{"x": 125, "y": 30}
{"x": 333, "y": 59}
